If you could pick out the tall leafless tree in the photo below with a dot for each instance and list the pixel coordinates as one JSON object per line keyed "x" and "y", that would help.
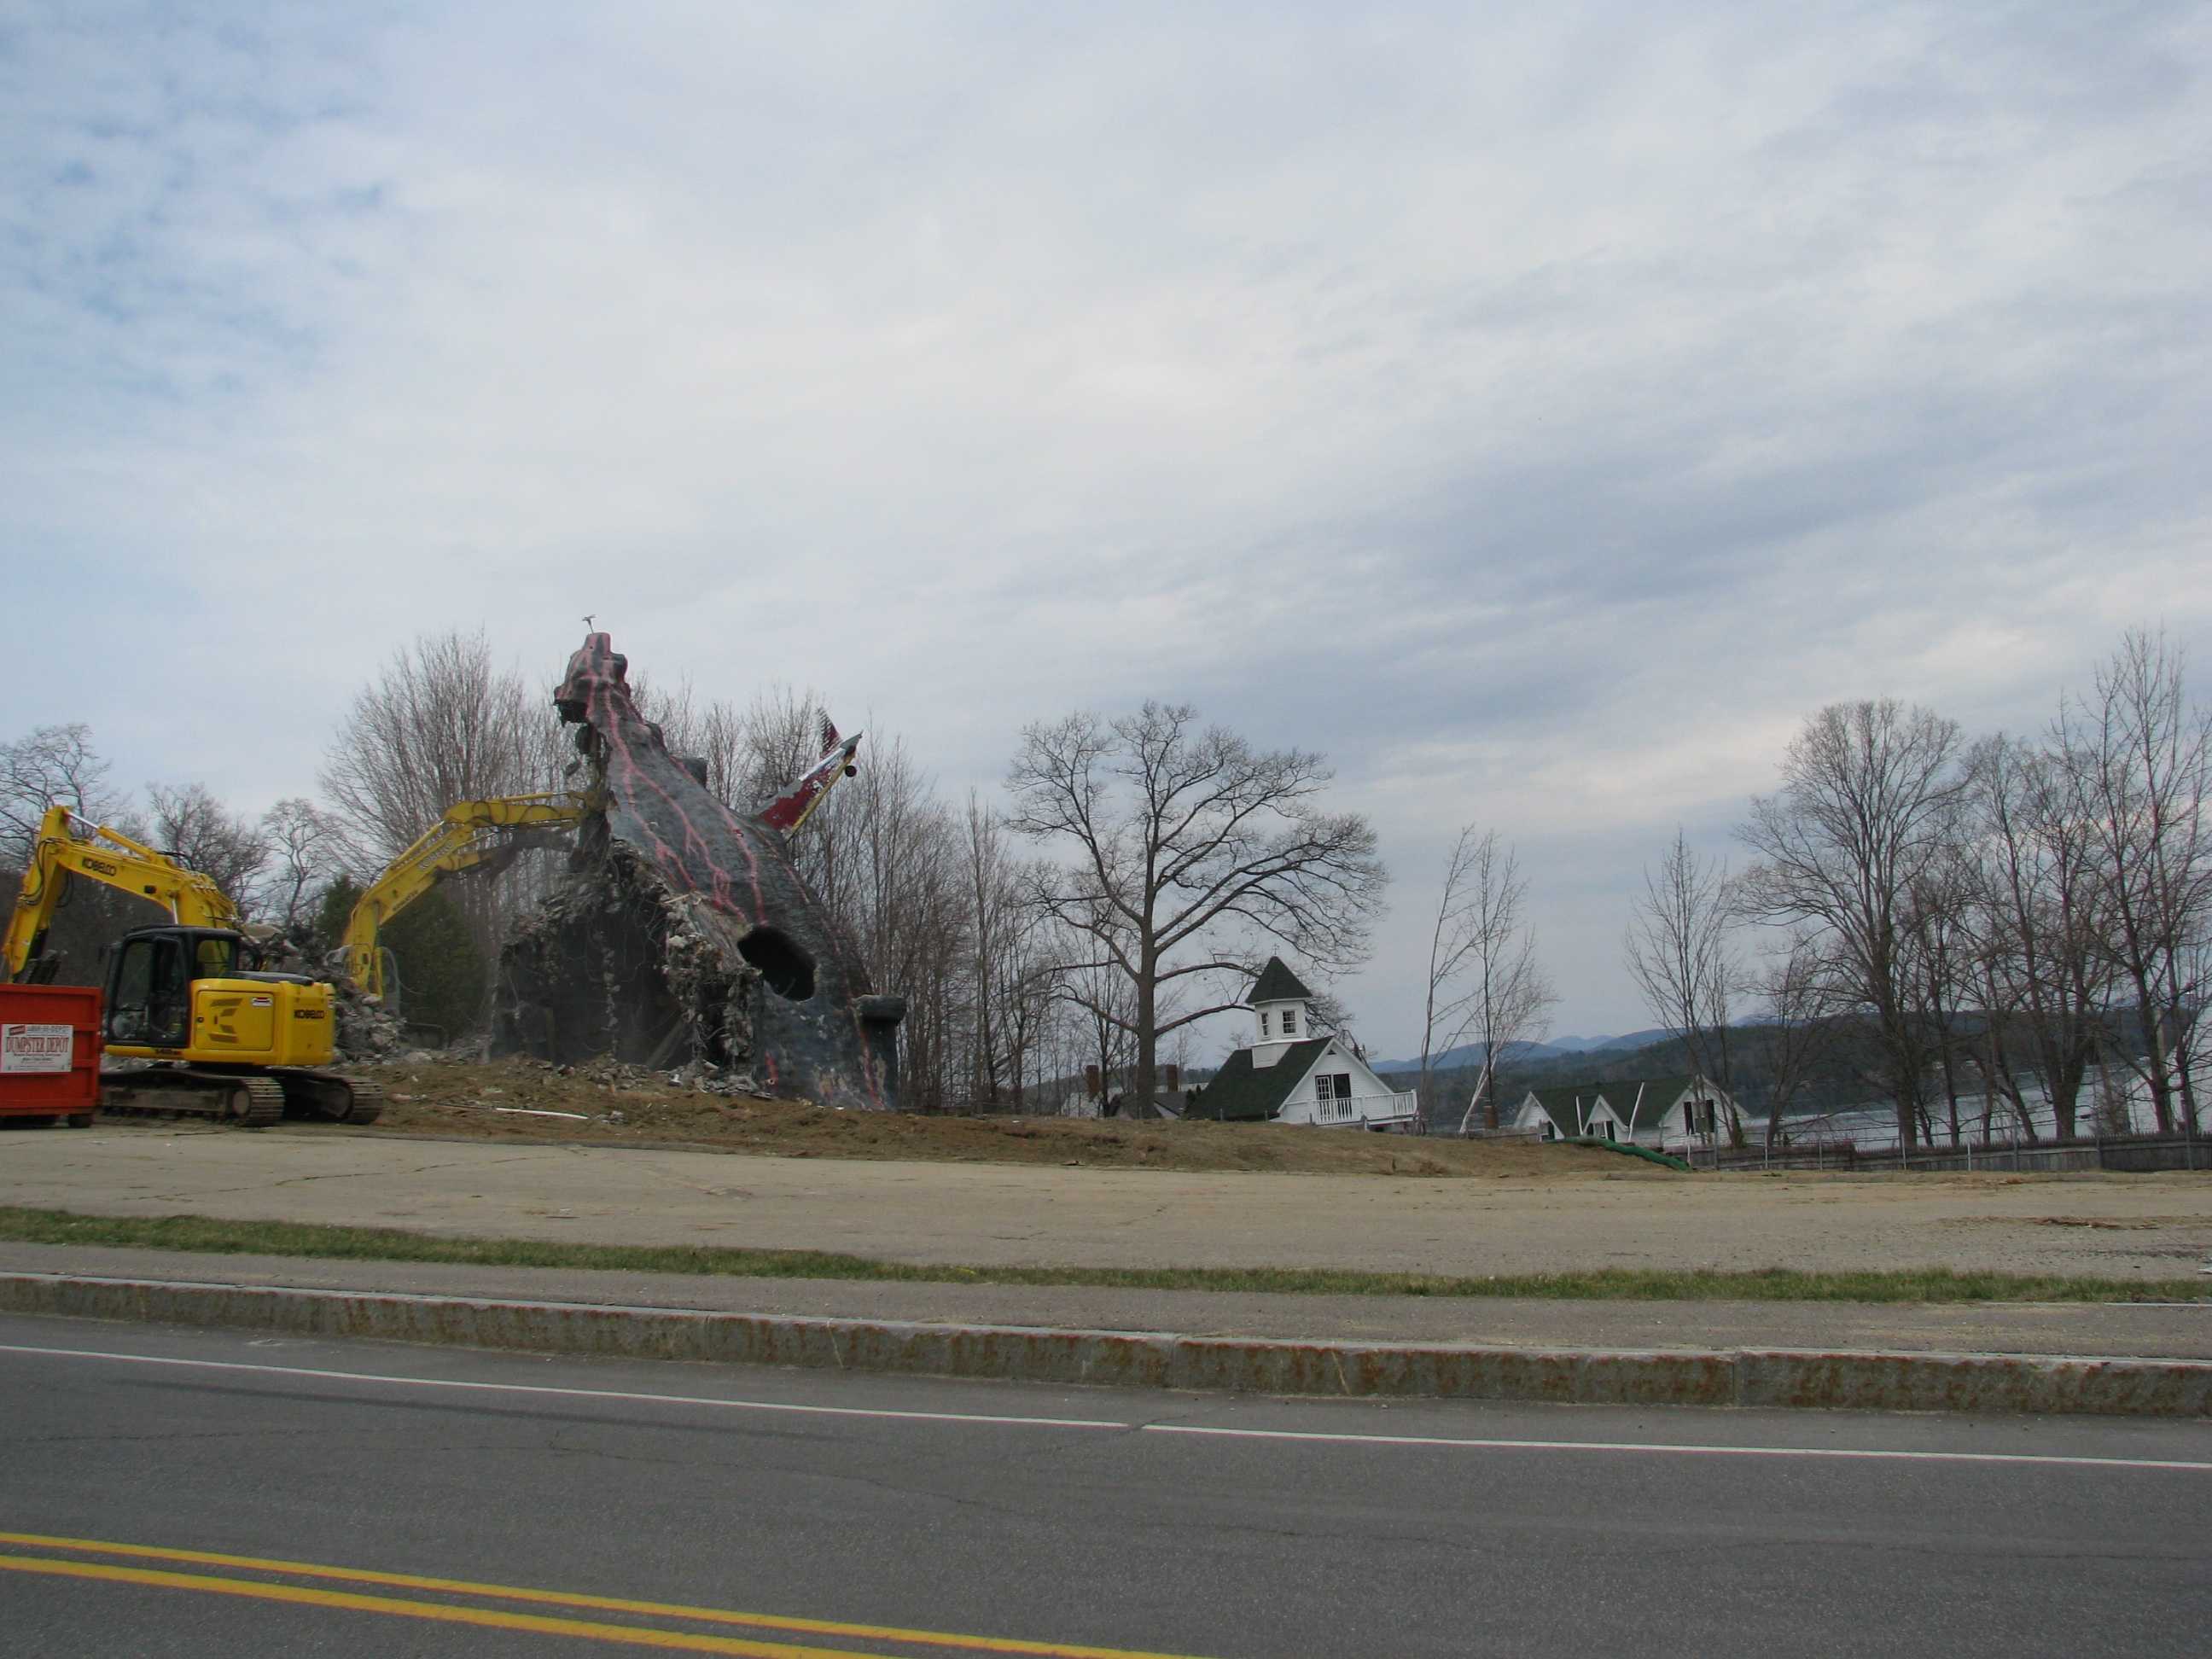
{"x": 2140, "y": 755}
{"x": 304, "y": 856}
{"x": 1681, "y": 952}
{"x": 1186, "y": 841}
{"x": 442, "y": 723}
{"x": 1500, "y": 992}
{"x": 1794, "y": 1004}
{"x": 1861, "y": 817}
{"x": 2041, "y": 966}
{"x": 197, "y": 830}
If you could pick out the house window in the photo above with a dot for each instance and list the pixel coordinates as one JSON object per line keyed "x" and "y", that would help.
{"x": 1690, "y": 1115}
{"x": 1289, "y": 1022}
{"x": 1263, "y": 1025}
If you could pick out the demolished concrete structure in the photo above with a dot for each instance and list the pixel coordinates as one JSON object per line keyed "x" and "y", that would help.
{"x": 682, "y": 937}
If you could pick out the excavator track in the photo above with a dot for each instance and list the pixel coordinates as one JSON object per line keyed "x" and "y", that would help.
{"x": 240, "y": 1100}
{"x": 330, "y": 1096}
{"x": 368, "y": 1103}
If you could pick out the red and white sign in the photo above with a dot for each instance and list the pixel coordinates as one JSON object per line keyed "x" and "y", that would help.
{"x": 35, "y": 1047}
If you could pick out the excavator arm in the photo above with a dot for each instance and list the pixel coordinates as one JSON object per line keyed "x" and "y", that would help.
{"x": 470, "y": 834}
{"x": 69, "y": 847}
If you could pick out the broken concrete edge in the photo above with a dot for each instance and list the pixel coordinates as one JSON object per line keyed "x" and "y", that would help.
{"x": 1856, "y": 1380}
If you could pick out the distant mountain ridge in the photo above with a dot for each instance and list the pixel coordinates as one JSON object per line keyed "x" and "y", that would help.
{"x": 1470, "y": 1054}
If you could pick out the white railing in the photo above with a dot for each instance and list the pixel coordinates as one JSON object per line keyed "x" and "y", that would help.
{"x": 1366, "y": 1108}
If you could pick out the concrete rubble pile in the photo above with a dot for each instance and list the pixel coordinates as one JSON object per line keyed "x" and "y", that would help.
{"x": 367, "y": 1029}
{"x": 683, "y": 939}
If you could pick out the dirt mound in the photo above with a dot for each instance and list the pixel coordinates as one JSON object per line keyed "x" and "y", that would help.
{"x": 606, "y": 1103}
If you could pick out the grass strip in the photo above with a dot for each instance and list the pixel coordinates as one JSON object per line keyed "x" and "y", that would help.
{"x": 294, "y": 1238}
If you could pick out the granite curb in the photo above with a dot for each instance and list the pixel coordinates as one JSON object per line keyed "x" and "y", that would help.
{"x": 1835, "y": 1379}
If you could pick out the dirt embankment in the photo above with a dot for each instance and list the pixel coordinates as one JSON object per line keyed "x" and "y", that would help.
{"x": 604, "y": 1105}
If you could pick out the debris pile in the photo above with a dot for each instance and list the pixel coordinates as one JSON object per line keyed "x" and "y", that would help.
{"x": 367, "y": 1029}
{"x": 683, "y": 939}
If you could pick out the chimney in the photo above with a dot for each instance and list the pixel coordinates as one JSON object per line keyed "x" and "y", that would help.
{"x": 1091, "y": 1091}
{"x": 1175, "y": 1077}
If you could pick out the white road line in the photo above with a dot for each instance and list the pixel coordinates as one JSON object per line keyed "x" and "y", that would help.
{"x": 1684, "y": 1449}
{"x": 1661, "y": 1449}
{"x": 569, "y": 1394}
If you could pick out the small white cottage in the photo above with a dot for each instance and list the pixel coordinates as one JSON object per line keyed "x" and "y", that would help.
{"x": 1665, "y": 1114}
{"x": 1292, "y": 1074}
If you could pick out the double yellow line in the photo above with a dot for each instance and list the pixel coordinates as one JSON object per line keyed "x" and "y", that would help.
{"x": 66, "y": 1566}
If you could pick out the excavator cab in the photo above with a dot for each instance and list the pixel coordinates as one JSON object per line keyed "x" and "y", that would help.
{"x": 149, "y": 980}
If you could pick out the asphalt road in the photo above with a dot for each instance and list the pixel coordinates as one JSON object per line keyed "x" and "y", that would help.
{"x": 805, "y": 1513}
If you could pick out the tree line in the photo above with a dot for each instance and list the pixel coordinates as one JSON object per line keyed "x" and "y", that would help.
{"x": 1948, "y": 919}
{"x": 1145, "y": 867}
{"x": 1935, "y": 917}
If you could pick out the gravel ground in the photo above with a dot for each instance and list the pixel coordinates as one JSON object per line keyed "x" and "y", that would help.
{"x": 2124, "y": 1226}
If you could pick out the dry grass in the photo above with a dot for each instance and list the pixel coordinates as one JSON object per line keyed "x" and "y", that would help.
{"x": 1921, "y": 1285}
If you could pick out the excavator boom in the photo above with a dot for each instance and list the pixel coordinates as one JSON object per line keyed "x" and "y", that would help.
{"x": 67, "y": 846}
{"x": 467, "y": 835}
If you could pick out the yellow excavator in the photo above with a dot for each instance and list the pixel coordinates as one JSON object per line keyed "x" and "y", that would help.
{"x": 229, "y": 1042}
{"x": 485, "y": 835}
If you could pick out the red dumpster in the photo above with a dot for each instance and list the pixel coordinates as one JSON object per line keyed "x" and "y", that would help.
{"x": 50, "y": 1052}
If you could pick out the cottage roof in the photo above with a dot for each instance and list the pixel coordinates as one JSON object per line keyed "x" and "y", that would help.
{"x": 1558, "y": 1104}
{"x": 1241, "y": 1091}
{"x": 1659, "y": 1094}
{"x": 1276, "y": 983}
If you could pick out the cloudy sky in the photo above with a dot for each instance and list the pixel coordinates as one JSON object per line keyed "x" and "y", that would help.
{"x": 1541, "y": 409}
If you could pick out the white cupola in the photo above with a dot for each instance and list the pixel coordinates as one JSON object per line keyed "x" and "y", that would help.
{"x": 1279, "y": 1004}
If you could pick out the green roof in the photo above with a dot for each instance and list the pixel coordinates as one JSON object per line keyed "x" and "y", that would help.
{"x": 1243, "y": 1093}
{"x": 1276, "y": 983}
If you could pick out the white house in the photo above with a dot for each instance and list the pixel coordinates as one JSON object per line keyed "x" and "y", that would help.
{"x": 1293, "y": 1074}
{"x": 1669, "y": 1113}
{"x": 1665, "y": 1114}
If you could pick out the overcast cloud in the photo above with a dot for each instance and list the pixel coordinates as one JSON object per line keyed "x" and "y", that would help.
{"x": 1540, "y": 408}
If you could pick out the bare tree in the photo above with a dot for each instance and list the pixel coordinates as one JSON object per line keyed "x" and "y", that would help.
{"x": 304, "y": 857}
{"x": 441, "y": 724}
{"x": 1453, "y": 1005}
{"x": 2041, "y": 964}
{"x": 2140, "y": 755}
{"x": 1940, "y": 952}
{"x": 53, "y": 763}
{"x": 59, "y": 764}
{"x": 1508, "y": 996}
{"x": 1183, "y": 837}
{"x": 902, "y": 893}
{"x": 1681, "y": 953}
{"x": 1860, "y": 816}
{"x": 1794, "y": 993}
{"x": 994, "y": 910}
{"x": 197, "y": 830}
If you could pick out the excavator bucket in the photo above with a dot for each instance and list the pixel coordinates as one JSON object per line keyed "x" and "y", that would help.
{"x": 682, "y": 936}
